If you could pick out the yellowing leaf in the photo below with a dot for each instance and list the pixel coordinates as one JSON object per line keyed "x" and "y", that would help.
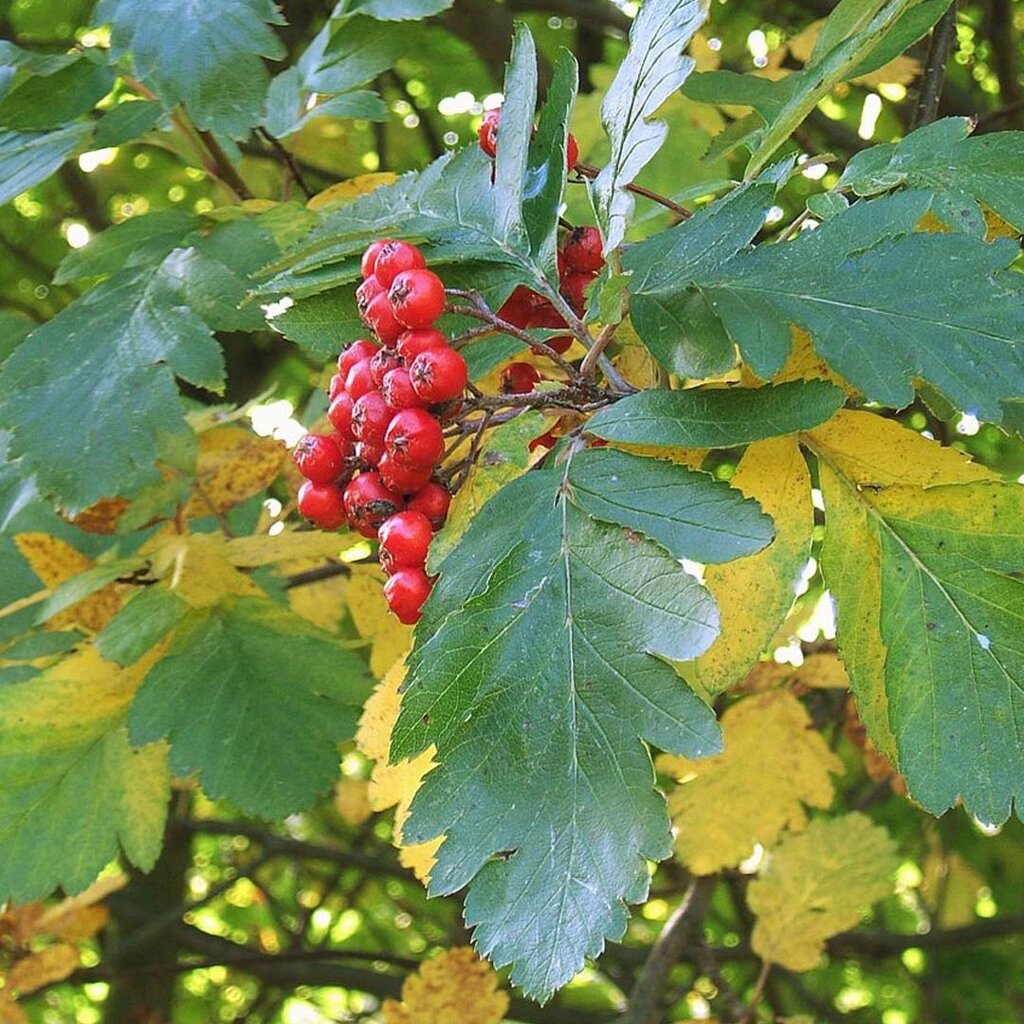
{"x": 32, "y": 972}
{"x": 803, "y": 363}
{"x": 323, "y": 602}
{"x": 821, "y": 671}
{"x": 456, "y": 987}
{"x": 755, "y": 594}
{"x": 352, "y": 800}
{"x": 10, "y": 1011}
{"x": 81, "y": 916}
{"x": 263, "y": 549}
{"x": 817, "y": 884}
{"x": 394, "y": 785}
{"x": 346, "y": 191}
{"x": 773, "y": 762}
{"x": 54, "y": 561}
{"x": 369, "y": 610}
{"x": 234, "y": 464}
{"x": 638, "y": 366}
{"x": 198, "y": 569}
{"x": 102, "y": 517}
{"x": 950, "y": 887}
{"x": 700, "y": 50}
{"x": 996, "y": 227}
{"x": 900, "y": 70}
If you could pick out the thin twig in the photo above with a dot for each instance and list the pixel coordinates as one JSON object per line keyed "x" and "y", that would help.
{"x": 289, "y": 161}
{"x": 226, "y": 170}
{"x": 317, "y": 575}
{"x": 601, "y": 342}
{"x": 934, "y": 77}
{"x": 590, "y": 171}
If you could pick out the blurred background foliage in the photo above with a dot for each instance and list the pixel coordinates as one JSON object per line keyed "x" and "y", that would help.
{"x": 316, "y": 920}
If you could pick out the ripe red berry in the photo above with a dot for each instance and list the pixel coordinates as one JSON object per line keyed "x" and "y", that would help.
{"x": 394, "y": 258}
{"x": 572, "y": 152}
{"x": 361, "y": 349}
{"x": 487, "y": 133}
{"x": 438, "y": 375}
{"x": 368, "y": 503}
{"x": 403, "y": 479}
{"x": 406, "y": 591}
{"x": 370, "y": 418}
{"x": 336, "y": 386}
{"x": 433, "y": 501}
{"x": 414, "y": 438}
{"x": 369, "y": 455}
{"x": 561, "y": 343}
{"x": 318, "y": 458}
{"x": 545, "y": 440}
{"x": 413, "y": 342}
{"x": 545, "y": 315}
{"x": 384, "y": 360}
{"x": 404, "y": 539}
{"x": 398, "y": 390}
{"x": 322, "y": 504}
{"x": 359, "y": 379}
{"x": 519, "y": 307}
{"x": 369, "y": 260}
{"x": 518, "y": 379}
{"x": 340, "y": 414}
{"x": 366, "y": 293}
{"x": 417, "y": 297}
{"x": 380, "y": 318}
{"x": 582, "y": 251}
{"x": 573, "y": 288}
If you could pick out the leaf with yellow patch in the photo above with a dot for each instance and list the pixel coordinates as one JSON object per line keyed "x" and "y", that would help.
{"x": 816, "y": 884}
{"x": 47, "y": 966}
{"x": 455, "y": 986}
{"x": 352, "y": 188}
{"x": 389, "y": 639}
{"x": 773, "y": 763}
{"x": 197, "y": 568}
{"x": 264, "y": 549}
{"x": 755, "y": 594}
{"x": 394, "y": 785}
{"x": 234, "y": 464}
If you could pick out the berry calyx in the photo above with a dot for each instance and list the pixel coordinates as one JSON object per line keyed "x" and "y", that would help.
{"x": 406, "y": 591}
{"x": 417, "y": 297}
{"x": 404, "y": 539}
{"x": 582, "y": 251}
{"x": 319, "y": 458}
{"x": 368, "y": 503}
{"x": 414, "y": 438}
{"x": 322, "y": 504}
{"x": 433, "y": 501}
{"x": 370, "y": 418}
{"x": 385, "y": 359}
{"x": 366, "y": 293}
{"x": 518, "y": 379}
{"x": 438, "y": 375}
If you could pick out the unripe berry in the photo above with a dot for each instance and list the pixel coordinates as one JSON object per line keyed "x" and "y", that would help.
{"x": 433, "y": 501}
{"x": 404, "y": 540}
{"x": 398, "y": 391}
{"x": 406, "y": 591}
{"x": 518, "y": 379}
{"x": 319, "y": 458}
{"x": 413, "y": 342}
{"x": 370, "y": 418}
{"x": 322, "y": 504}
{"x": 414, "y": 438}
{"x": 368, "y": 503}
{"x": 438, "y": 375}
{"x": 417, "y": 297}
{"x": 394, "y": 258}
{"x": 582, "y": 251}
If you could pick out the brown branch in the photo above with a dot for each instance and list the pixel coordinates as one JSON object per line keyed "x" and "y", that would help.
{"x": 225, "y": 169}
{"x": 322, "y": 572}
{"x": 940, "y": 49}
{"x": 884, "y": 944}
{"x": 591, "y": 172}
{"x": 288, "y": 160}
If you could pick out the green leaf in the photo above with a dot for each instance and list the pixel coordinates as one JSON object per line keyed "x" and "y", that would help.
{"x": 70, "y": 783}
{"x": 83, "y": 584}
{"x": 207, "y": 57}
{"x": 355, "y": 51}
{"x": 854, "y": 285}
{"x": 716, "y": 417}
{"x": 732, "y": 89}
{"x": 138, "y": 241}
{"x": 537, "y": 672}
{"x": 652, "y": 70}
{"x": 127, "y": 121}
{"x": 825, "y": 205}
{"x": 688, "y": 513}
{"x": 392, "y": 10}
{"x": 672, "y": 317}
{"x": 14, "y": 329}
{"x": 941, "y": 156}
{"x": 290, "y": 692}
{"x": 46, "y": 101}
{"x": 26, "y": 158}
{"x": 322, "y": 324}
{"x": 145, "y": 620}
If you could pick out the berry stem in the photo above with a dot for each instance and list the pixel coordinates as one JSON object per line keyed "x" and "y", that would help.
{"x": 591, "y": 172}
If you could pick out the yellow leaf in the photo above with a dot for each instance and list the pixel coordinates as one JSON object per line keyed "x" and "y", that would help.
{"x": 755, "y": 593}
{"x": 346, "y": 191}
{"x": 198, "y": 570}
{"x": 817, "y": 884}
{"x": 78, "y": 917}
{"x": 638, "y": 366}
{"x": 368, "y": 607}
{"x": 773, "y": 763}
{"x": 322, "y": 603}
{"x": 32, "y": 972}
{"x": 262, "y": 549}
{"x": 821, "y": 671}
{"x": 803, "y": 363}
{"x": 54, "y": 561}
{"x": 455, "y": 987}
{"x": 950, "y": 887}
{"x": 700, "y": 50}
{"x": 900, "y": 70}
{"x": 352, "y": 801}
{"x": 234, "y": 464}
{"x": 394, "y": 785}
{"x": 10, "y": 1011}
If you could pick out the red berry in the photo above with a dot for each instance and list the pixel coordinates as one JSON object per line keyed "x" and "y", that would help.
{"x": 412, "y": 343}
{"x": 545, "y": 440}
{"x": 336, "y": 386}
{"x": 385, "y": 359}
{"x": 417, "y": 297}
{"x": 369, "y": 455}
{"x": 404, "y": 539}
{"x": 518, "y": 307}
{"x": 398, "y": 390}
{"x": 438, "y": 375}
{"x": 369, "y": 260}
{"x": 518, "y": 379}
{"x": 358, "y": 350}
{"x": 582, "y": 251}
{"x": 572, "y": 152}
{"x": 366, "y": 293}
{"x": 359, "y": 379}
{"x": 394, "y": 258}
{"x": 487, "y": 133}
{"x": 406, "y": 591}
{"x": 340, "y": 414}
{"x": 318, "y": 458}
{"x": 433, "y": 501}
{"x": 370, "y": 418}
{"x": 573, "y": 288}
{"x": 380, "y": 318}
{"x": 368, "y": 503}
{"x": 545, "y": 315}
{"x": 560, "y": 343}
{"x": 403, "y": 479}
{"x": 322, "y": 504}
{"x": 414, "y": 438}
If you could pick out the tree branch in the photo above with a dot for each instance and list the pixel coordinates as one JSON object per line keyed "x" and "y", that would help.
{"x": 940, "y": 49}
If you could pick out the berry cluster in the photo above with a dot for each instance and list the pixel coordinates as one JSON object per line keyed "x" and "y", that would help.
{"x": 387, "y": 405}
{"x": 487, "y": 133}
